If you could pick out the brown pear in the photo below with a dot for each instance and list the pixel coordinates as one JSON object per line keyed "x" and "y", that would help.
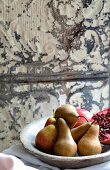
{"x": 65, "y": 145}
{"x": 49, "y": 121}
{"x": 89, "y": 144}
{"x": 67, "y": 112}
{"x": 80, "y": 131}
{"x": 46, "y": 138}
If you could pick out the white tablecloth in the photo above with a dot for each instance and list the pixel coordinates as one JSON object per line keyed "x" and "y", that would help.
{"x": 18, "y": 158}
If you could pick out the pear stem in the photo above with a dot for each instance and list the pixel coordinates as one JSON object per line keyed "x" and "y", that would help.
{"x": 84, "y": 118}
{"x": 53, "y": 113}
{"x": 93, "y": 122}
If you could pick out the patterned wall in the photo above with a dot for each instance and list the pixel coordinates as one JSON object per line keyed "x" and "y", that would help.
{"x": 51, "y": 52}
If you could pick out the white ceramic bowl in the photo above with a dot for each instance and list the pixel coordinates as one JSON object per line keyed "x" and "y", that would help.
{"x": 27, "y": 137}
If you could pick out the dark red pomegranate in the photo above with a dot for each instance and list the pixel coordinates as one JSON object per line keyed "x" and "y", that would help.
{"x": 103, "y": 119}
{"x": 84, "y": 116}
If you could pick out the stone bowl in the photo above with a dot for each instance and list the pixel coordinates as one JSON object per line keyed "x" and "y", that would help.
{"x": 27, "y": 137}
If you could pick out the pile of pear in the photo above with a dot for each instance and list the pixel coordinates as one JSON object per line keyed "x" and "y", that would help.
{"x": 60, "y": 137}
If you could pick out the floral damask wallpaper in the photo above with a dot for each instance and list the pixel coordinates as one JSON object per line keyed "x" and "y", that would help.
{"x": 51, "y": 52}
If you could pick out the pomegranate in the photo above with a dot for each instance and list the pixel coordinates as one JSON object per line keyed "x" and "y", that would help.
{"x": 103, "y": 119}
{"x": 84, "y": 116}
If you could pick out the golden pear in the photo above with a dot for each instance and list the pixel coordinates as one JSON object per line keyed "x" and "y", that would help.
{"x": 67, "y": 112}
{"x": 89, "y": 144}
{"x": 79, "y": 131}
{"x": 46, "y": 138}
{"x": 49, "y": 121}
{"x": 65, "y": 145}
